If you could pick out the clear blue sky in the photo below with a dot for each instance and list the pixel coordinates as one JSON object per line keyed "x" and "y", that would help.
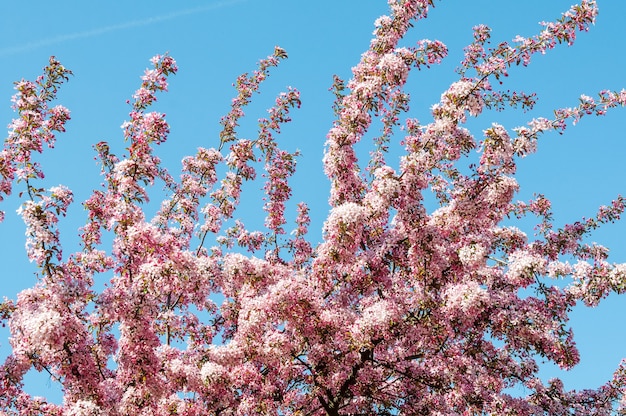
{"x": 108, "y": 45}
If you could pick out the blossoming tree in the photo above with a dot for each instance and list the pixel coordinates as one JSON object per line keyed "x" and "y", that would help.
{"x": 403, "y": 308}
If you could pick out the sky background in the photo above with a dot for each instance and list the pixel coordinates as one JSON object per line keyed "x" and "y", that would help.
{"x": 108, "y": 45}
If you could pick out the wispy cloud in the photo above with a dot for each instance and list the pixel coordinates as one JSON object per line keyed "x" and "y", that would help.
{"x": 113, "y": 28}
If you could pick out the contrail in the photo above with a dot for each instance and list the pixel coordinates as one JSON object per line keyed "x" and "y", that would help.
{"x": 107, "y": 29}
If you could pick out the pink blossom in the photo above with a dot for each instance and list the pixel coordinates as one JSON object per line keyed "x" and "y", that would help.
{"x": 524, "y": 267}
{"x": 473, "y": 254}
{"x": 393, "y": 67}
{"x": 84, "y": 408}
{"x": 404, "y": 307}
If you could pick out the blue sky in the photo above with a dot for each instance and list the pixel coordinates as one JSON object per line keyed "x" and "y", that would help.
{"x": 108, "y": 44}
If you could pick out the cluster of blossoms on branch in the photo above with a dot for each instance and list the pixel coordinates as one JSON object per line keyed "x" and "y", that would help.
{"x": 400, "y": 310}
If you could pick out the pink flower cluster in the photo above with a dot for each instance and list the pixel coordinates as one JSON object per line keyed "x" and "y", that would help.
{"x": 401, "y": 309}
{"x": 35, "y": 126}
{"x": 41, "y": 219}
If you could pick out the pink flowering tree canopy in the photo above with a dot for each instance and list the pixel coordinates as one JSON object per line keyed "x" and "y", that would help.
{"x": 406, "y": 306}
